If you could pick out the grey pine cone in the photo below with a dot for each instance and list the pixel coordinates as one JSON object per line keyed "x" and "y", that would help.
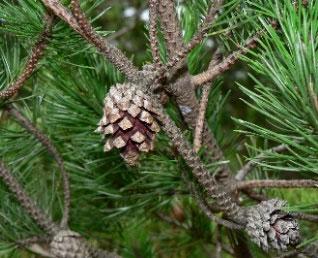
{"x": 130, "y": 121}
{"x": 69, "y": 244}
{"x": 270, "y": 227}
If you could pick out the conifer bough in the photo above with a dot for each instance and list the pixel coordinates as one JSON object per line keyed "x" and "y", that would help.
{"x": 133, "y": 116}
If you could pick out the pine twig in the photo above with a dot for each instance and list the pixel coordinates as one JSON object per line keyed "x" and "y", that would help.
{"x": 32, "y": 62}
{"x": 168, "y": 220}
{"x": 45, "y": 141}
{"x": 275, "y": 183}
{"x": 84, "y": 28}
{"x": 113, "y": 54}
{"x": 305, "y": 216}
{"x": 197, "y": 142}
{"x": 199, "y": 128}
{"x": 205, "y": 208}
{"x": 227, "y": 63}
{"x": 249, "y": 166}
{"x": 153, "y": 19}
{"x": 170, "y": 26}
{"x": 26, "y": 202}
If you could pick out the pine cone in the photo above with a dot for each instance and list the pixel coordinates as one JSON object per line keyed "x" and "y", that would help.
{"x": 270, "y": 227}
{"x": 130, "y": 120}
{"x": 69, "y": 244}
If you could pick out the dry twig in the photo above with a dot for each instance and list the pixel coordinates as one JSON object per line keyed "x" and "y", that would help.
{"x": 27, "y": 203}
{"x": 32, "y": 62}
{"x": 227, "y": 63}
{"x": 83, "y": 27}
{"x": 153, "y": 16}
{"x": 27, "y": 124}
{"x": 276, "y": 183}
{"x": 203, "y": 106}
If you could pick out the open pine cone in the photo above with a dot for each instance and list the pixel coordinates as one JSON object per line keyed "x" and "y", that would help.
{"x": 270, "y": 227}
{"x": 69, "y": 244}
{"x": 130, "y": 120}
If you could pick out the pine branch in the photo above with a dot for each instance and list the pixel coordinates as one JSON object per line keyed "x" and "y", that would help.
{"x": 184, "y": 92}
{"x": 275, "y": 183}
{"x": 32, "y": 62}
{"x": 26, "y": 202}
{"x": 170, "y": 26}
{"x": 249, "y": 166}
{"x": 80, "y": 24}
{"x": 27, "y": 124}
{"x": 153, "y": 18}
{"x": 207, "y": 210}
{"x": 223, "y": 199}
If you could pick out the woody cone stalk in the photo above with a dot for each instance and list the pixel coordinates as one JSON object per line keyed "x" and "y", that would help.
{"x": 130, "y": 121}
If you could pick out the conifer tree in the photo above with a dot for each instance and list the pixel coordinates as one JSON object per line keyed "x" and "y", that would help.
{"x": 158, "y": 151}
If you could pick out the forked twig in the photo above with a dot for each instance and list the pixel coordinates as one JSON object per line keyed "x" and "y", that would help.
{"x": 26, "y": 202}
{"x": 177, "y": 59}
{"x": 27, "y": 124}
{"x": 32, "y": 62}
{"x": 84, "y": 28}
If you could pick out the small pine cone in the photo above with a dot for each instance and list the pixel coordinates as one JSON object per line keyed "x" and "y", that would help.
{"x": 69, "y": 244}
{"x": 270, "y": 227}
{"x": 130, "y": 120}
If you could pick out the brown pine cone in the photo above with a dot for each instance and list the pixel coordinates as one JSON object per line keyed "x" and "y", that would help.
{"x": 69, "y": 244}
{"x": 270, "y": 227}
{"x": 130, "y": 120}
